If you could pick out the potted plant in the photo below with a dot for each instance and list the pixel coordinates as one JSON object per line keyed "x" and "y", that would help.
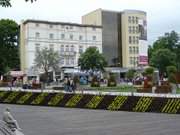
{"x": 111, "y": 81}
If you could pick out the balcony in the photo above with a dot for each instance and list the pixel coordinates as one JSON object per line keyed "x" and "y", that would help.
{"x": 66, "y": 53}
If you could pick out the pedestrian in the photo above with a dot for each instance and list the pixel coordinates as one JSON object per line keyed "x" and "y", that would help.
{"x": 9, "y": 120}
{"x": 66, "y": 84}
{"x": 72, "y": 88}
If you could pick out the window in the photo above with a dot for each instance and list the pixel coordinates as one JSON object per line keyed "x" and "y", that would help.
{"x": 72, "y": 48}
{"x": 62, "y": 26}
{"x": 130, "y": 40}
{"x": 137, "y": 60}
{"x": 37, "y": 34}
{"x": 71, "y": 27}
{"x": 94, "y": 38}
{"x": 37, "y": 47}
{"x": 136, "y": 20}
{"x": 62, "y": 36}
{"x": 137, "y": 50}
{"x": 71, "y": 37}
{"x": 67, "y": 48}
{"x": 80, "y": 37}
{"x": 137, "y": 29}
{"x": 62, "y": 61}
{"x": 130, "y": 50}
{"x": 51, "y": 26}
{"x": 80, "y": 49}
{"x": 137, "y": 40}
{"x": 37, "y": 24}
{"x": 67, "y": 61}
{"x": 94, "y": 29}
{"x": 51, "y": 46}
{"x": 131, "y": 60}
{"x": 51, "y": 36}
{"x": 134, "y": 51}
{"x": 134, "y": 40}
{"x": 130, "y": 29}
{"x": 72, "y": 61}
{"x": 133, "y": 20}
{"x": 129, "y": 19}
{"x": 133, "y": 29}
{"x": 62, "y": 48}
{"x": 80, "y": 28}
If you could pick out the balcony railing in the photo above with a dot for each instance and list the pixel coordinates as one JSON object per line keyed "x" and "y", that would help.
{"x": 66, "y": 53}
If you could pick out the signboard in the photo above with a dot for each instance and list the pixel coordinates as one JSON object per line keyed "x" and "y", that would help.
{"x": 16, "y": 73}
{"x": 143, "y": 60}
{"x": 143, "y": 52}
{"x": 142, "y": 29}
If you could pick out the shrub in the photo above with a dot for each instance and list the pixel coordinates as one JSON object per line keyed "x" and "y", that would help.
{"x": 149, "y": 71}
{"x": 2, "y": 93}
{"x": 130, "y": 74}
{"x": 111, "y": 81}
{"x": 95, "y": 82}
{"x": 171, "y": 70}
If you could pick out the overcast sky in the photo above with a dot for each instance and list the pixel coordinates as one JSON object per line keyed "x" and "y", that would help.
{"x": 162, "y": 15}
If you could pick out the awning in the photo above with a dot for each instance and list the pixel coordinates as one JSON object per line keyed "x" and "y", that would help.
{"x": 17, "y": 73}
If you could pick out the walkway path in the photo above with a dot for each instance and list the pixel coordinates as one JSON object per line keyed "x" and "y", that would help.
{"x": 36, "y": 120}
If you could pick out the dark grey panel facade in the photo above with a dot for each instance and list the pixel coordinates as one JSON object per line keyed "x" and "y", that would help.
{"x": 111, "y": 38}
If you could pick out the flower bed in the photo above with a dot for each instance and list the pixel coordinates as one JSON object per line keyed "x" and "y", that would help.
{"x": 108, "y": 102}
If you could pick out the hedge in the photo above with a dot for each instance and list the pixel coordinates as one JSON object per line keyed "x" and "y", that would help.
{"x": 107, "y": 102}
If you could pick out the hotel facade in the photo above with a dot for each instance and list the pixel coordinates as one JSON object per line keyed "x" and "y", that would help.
{"x": 69, "y": 39}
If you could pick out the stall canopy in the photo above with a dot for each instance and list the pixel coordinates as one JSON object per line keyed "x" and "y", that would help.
{"x": 17, "y": 73}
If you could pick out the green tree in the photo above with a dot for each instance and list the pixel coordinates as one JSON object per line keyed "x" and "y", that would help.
{"x": 9, "y": 54}
{"x": 7, "y": 3}
{"x": 168, "y": 41}
{"x": 47, "y": 59}
{"x": 162, "y": 58}
{"x": 91, "y": 59}
{"x": 177, "y": 52}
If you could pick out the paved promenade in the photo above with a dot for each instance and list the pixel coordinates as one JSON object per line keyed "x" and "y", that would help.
{"x": 62, "y": 121}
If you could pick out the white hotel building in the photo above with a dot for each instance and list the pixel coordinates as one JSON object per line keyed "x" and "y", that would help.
{"x": 69, "y": 39}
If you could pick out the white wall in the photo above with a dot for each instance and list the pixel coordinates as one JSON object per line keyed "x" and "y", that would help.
{"x": 44, "y": 29}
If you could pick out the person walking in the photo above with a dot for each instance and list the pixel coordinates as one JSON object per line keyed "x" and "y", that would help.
{"x": 72, "y": 85}
{"x": 66, "y": 84}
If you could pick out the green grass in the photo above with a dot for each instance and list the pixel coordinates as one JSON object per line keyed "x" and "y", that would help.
{"x": 121, "y": 88}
